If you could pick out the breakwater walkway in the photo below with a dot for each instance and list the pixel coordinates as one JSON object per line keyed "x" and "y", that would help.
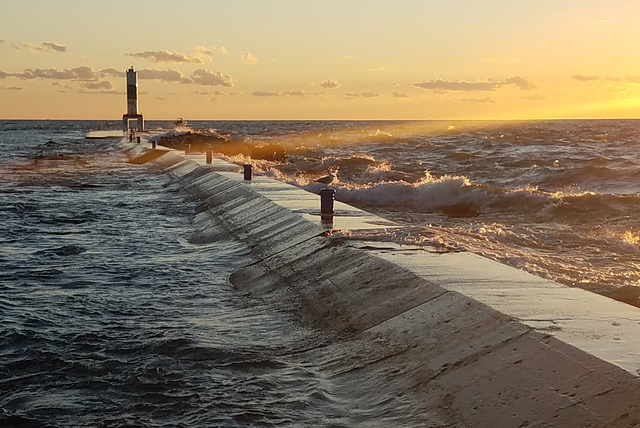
{"x": 466, "y": 340}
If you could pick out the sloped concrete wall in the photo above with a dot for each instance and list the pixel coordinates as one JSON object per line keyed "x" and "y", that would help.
{"x": 469, "y": 364}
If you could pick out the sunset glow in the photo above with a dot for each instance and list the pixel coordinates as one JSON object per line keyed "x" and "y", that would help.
{"x": 357, "y": 59}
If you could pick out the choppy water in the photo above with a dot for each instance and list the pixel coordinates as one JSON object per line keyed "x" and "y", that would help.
{"x": 560, "y": 199}
{"x": 111, "y": 316}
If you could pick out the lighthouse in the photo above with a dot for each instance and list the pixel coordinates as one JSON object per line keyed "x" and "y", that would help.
{"x": 132, "y": 120}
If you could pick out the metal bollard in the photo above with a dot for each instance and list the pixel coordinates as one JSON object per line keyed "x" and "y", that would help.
{"x": 187, "y": 148}
{"x": 138, "y": 140}
{"x": 209, "y": 156}
{"x": 248, "y": 172}
{"x": 326, "y": 200}
{"x": 153, "y": 144}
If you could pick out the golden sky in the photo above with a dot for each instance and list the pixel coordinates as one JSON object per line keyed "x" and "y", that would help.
{"x": 335, "y": 59}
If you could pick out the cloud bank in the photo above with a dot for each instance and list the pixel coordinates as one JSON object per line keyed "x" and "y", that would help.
{"x": 161, "y": 56}
{"x": 443, "y": 86}
{"x": 95, "y": 80}
{"x": 78, "y": 73}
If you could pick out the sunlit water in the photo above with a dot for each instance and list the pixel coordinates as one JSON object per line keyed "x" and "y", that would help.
{"x": 560, "y": 199}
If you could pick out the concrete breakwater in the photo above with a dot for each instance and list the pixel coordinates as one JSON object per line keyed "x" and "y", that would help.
{"x": 453, "y": 360}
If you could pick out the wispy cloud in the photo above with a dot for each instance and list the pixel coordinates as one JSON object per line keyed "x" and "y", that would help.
{"x": 265, "y": 94}
{"x": 443, "y": 86}
{"x": 249, "y": 59}
{"x": 353, "y": 95}
{"x": 45, "y": 46}
{"x": 581, "y": 77}
{"x": 330, "y": 84}
{"x": 11, "y": 88}
{"x": 301, "y": 94}
{"x": 78, "y": 73}
{"x": 400, "y": 95}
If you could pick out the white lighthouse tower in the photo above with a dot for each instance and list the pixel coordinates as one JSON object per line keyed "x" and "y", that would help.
{"x": 132, "y": 114}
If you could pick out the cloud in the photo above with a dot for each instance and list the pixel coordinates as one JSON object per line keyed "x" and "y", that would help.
{"x": 112, "y": 72}
{"x": 249, "y": 59}
{"x": 11, "y": 88}
{"x": 586, "y": 77}
{"x": 441, "y": 86}
{"x": 265, "y": 94}
{"x": 162, "y": 75}
{"x": 46, "y": 46}
{"x": 301, "y": 94}
{"x": 521, "y": 82}
{"x": 103, "y": 85}
{"x": 202, "y": 55}
{"x": 400, "y": 95}
{"x": 351, "y": 95}
{"x": 161, "y": 56}
{"x": 1, "y": 41}
{"x": 478, "y": 100}
{"x": 4, "y": 74}
{"x": 54, "y": 46}
{"x": 206, "y": 93}
{"x": 581, "y": 77}
{"x": 210, "y": 78}
{"x": 347, "y": 57}
{"x": 222, "y": 50}
{"x": 78, "y": 73}
{"x": 369, "y": 94}
{"x": 329, "y": 84}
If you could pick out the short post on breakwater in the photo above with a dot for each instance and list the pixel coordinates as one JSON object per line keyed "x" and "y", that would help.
{"x": 326, "y": 201}
{"x": 248, "y": 172}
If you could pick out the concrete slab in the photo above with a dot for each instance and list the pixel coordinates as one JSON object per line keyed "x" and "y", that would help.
{"x": 599, "y": 325}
